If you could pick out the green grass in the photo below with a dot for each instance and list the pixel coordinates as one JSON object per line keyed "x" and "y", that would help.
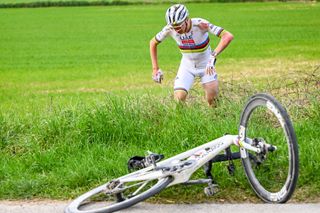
{"x": 69, "y": 3}
{"x": 31, "y": 1}
{"x": 77, "y": 100}
{"x": 62, "y": 51}
{"x": 70, "y": 150}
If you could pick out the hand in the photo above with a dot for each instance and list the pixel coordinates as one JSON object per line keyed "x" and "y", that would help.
{"x": 210, "y": 69}
{"x": 158, "y": 76}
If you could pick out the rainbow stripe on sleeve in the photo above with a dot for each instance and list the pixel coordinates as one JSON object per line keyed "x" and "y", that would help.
{"x": 156, "y": 40}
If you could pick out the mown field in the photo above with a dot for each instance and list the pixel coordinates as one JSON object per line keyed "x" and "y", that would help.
{"x": 77, "y": 99}
{"x": 30, "y": 1}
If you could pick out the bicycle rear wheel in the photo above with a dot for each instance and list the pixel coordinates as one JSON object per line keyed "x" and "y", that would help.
{"x": 273, "y": 173}
{"x": 114, "y": 196}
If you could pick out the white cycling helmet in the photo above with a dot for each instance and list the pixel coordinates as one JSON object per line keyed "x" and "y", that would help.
{"x": 176, "y": 14}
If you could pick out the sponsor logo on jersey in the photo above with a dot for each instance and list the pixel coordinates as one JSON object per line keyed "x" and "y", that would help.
{"x": 188, "y": 41}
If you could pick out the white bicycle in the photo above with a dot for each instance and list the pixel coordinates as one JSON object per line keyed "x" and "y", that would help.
{"x": 268, "y": 150}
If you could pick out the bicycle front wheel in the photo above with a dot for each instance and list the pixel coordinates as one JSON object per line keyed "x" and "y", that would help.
{"x": 273, "y": 173}
{"x": 114, "y": 196}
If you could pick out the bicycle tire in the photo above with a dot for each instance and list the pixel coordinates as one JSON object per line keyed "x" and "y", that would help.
{"x": 266, "y": 174}
{"x": 75, "y": 205}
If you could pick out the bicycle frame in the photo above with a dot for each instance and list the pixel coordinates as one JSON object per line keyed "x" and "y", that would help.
{"x": 188, "y": 161}
{"x": 138, "y": 186}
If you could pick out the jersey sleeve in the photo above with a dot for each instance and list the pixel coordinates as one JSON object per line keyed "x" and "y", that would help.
{"x": 163, "y": 34}
{"x": 209, "y": 27}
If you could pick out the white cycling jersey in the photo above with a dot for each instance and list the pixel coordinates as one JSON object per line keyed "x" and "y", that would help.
{"x": 195, "y": 44}
{"x": 195, "y": 48}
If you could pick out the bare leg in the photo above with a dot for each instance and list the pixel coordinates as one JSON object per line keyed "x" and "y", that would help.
{"x": 211, "y": 89}
{"x": 180, "y": 95}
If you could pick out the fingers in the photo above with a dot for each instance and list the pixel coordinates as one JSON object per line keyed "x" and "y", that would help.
{"x": 160, "y": 79}
{"x": 154, "y": 75}
{"x": 157, "y": 80}
{"x": 157, "y": 77}
{"x": 154, "y": 78}
{"x": 210, "y": 70}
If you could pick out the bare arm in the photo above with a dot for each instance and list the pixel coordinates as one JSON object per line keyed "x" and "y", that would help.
{"x": 226, "y": 38}
{"x": 154, "y": 56}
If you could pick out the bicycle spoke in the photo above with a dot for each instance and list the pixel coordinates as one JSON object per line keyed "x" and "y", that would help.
{"x": 273, "y": 172}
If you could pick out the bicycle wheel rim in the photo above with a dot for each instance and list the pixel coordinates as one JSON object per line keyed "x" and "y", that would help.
{"x": 274, "y": 180}
{"x": 77, "y": 206}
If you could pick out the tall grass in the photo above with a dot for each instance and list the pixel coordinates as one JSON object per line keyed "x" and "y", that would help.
{"x": 74, "y": 149}
{"x": 67, "y": 151}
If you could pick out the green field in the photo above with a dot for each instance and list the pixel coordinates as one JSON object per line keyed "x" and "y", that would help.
{"x": 75, "y": 87}
{"x": 46, "y": 3}
{"x": 30, "y": 1}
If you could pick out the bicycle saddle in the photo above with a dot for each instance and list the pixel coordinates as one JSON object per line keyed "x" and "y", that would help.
{"x": 140, "y": 162}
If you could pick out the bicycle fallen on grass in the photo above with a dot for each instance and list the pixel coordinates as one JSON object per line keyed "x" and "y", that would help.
{"x": 268, "y": 151}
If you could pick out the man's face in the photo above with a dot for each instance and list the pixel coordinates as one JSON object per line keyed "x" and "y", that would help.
{"x": 181, "y": 28}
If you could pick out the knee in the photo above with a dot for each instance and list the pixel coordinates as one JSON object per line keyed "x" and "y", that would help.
{"x": 212, "y": 97}
{"x": 212, "y": 101}
{"x": 180, "y": 95}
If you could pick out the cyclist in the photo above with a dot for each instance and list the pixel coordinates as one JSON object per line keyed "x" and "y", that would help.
{"x": 191, "y": 35}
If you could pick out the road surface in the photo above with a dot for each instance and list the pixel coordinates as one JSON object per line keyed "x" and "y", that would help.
{"x": 58, "y": 206}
